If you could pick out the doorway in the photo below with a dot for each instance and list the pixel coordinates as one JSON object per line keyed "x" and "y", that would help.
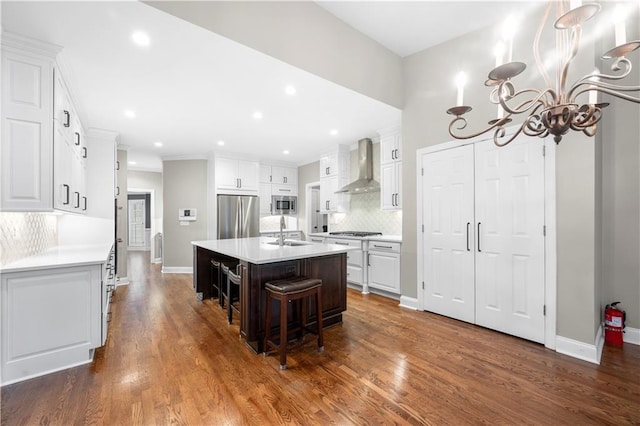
{"x": 316, "y": 222}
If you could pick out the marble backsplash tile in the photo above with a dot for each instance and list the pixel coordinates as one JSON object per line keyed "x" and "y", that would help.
{"x": 26, "y": 234}
{"x": 365, "y": 215}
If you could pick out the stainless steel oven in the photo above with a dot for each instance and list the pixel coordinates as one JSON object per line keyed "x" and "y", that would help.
{"x": 284, "y": 204}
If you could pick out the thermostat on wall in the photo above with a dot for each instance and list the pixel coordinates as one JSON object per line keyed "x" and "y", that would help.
{"x": 187, "y": 214}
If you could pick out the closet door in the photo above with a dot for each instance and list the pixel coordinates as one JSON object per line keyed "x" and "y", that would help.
{"x": 510, "y": 242}
{"x": 448, "y": 238}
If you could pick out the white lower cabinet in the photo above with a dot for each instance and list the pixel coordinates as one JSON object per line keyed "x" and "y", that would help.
{"x": 53, "y": 318}
{"x": 355, "y": 273}
{"x": 383, "y": 264}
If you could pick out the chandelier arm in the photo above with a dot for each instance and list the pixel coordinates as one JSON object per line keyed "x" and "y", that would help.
{"x": 529, "y": 103}
{"x": 500, "y": 132}
{"x": 593, "y": 79}
{"x": 617, "y": 94}
{"x": 536, "y": 46}
{"x": 455, "y": 120}
{"x": 597, "y": 86}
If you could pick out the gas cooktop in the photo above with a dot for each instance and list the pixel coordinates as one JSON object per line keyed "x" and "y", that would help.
{"x": 355, "y": 233}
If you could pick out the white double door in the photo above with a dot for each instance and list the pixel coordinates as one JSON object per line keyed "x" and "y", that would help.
{"x": 483, "y": 242}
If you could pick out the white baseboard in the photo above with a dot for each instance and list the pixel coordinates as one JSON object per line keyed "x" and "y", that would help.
{"x": 409, "y": 302}
{"x": 581, "y": 350}
{"x": 177, "y": 270}
{"x": 157, "y": 260}
{"x": 631, "y": 335}
{"x": 122, "y": 281}
{"x": 139, "y": 248}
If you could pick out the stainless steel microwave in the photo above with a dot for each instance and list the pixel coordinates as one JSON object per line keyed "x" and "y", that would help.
{"x": 284, "y": 204}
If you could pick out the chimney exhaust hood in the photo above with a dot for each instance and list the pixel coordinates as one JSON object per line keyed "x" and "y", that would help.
{"x": 365, "y": 182}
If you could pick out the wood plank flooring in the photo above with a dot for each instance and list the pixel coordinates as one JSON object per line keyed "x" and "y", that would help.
{"x": 172, "y": 359}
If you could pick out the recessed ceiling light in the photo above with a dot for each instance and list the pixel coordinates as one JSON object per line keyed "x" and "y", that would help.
{"x": 133, "y": 163}
{"x": 129, "y": 113}
{"x": 140, "y": 38}
{"x": 221, "y": 143}
{"x": 285, "y": 152}
{"x": 290, "y": 90}
{"x": 257, "y": 115}
{"x": 158, "y": 144}
{"x": 333, "y": 132}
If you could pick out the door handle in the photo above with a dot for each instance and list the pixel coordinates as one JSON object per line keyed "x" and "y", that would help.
{"x": 77, "y": 138}
{"x": 66, "y": 187}
{"x": 468, "y": 224}
{"x": 67, "y": 117}
{"x": 479, "y": 238}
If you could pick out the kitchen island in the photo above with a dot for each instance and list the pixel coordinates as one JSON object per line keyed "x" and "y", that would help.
{"x": 262, "y": 260}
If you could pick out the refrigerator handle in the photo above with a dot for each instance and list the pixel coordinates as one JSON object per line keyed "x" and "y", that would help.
{"x": 239, "y": 221}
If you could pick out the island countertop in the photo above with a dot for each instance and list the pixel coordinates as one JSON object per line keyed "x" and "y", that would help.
{"x": 257, "y": 250}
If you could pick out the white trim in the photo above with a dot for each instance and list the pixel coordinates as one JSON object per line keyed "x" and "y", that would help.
{"x": 307, "y": 205}
{"x": 29, "y": 44}
{"x": 184, "y": 157}
{"x": 550, "y": 339}
{"x": 53, "y": 370}
{"x": 122, "y": 281}
{"x": 550, "y": 253}
{"x": 409, "y": 302}
{"x": 599, "y": 342}
{"x": 581, "y": 350}
{"x": 177, "y": 270}
{"x": 631, "y": 335}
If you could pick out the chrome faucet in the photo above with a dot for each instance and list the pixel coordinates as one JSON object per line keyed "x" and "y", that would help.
{"x": 282, "y": 226}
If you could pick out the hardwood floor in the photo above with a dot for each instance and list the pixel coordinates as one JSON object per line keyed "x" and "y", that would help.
{"x": 172, "y": 359}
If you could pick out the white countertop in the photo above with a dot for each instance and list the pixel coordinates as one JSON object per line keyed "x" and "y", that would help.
{"x": 61, "y": 256}
{"x": 386, "y": 237}
{"x": 256, "y": 250}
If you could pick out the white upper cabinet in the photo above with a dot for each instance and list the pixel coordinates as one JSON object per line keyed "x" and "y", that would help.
{"x": 284, "y": 175}
{"x": 235, "y": 176}
{"x": 26, "y": 151}
{"x": 390, "y": 169}
{"x": 334, "y": 174}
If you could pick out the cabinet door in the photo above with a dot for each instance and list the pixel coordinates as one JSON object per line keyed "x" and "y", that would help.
{"x": 62, "y": 113}
{"x": 265, "y": 174}
{"x": 26, "y": 149}
{"x": 284, "y": 175}
{"x": 248, "y": 173}
{"x": 226, "y": 173}
{"x": 328, "y": 187}
{"x": 384, "y": 271}
{"x": 388, "y": 185}
{"x": 284, "y": 189}
{"x": 63, "y": 176}
{"x": 329, "y": 164}
{"x": 390, "y": 148}
{"x": 265, "y": 198}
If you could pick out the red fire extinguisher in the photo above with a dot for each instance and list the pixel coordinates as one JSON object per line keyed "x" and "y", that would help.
{"x": 613, "y": 324}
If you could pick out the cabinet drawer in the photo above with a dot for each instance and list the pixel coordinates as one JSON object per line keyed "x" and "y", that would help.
{"x": 345, "y": 242}
{"x": 354, "y": 274}
{"x": 294, "y": 235}
{"x": 316, "y": 239}
{"x": 354, "y": 257}
{"x": 284, "y": 189}
{"x": 384, "y": 246}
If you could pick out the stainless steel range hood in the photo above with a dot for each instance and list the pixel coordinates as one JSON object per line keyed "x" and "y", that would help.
{"x": 365, "y": 182}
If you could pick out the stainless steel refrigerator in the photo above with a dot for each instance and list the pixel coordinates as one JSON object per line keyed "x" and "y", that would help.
{"x": 238, "y": 216}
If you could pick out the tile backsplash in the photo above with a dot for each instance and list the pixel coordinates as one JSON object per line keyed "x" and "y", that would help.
{"x": 26, "y": 234}
{"x": 365, "y": 215}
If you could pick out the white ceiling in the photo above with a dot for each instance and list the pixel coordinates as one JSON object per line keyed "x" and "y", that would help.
{"x": 191, "y": 88}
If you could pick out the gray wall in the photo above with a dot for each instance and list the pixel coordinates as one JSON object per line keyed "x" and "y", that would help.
{"x": 620, "y": 201}
{"x": 184, "y": 184}
{"x": 304, "y": 35}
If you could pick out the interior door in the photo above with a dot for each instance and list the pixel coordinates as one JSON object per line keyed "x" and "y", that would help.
{"x": 510, "y": 245}
{"x": 136, "y": 223}
{"x": 448, "y": 237}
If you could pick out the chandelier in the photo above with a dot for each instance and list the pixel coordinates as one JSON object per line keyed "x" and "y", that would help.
{"x": 555, "y": 109}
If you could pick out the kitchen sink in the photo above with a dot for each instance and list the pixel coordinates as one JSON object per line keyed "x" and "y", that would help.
{"x": 289, "y": 243}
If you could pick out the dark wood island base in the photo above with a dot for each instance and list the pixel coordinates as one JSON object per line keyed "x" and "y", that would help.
{"x": 331, "y": 269}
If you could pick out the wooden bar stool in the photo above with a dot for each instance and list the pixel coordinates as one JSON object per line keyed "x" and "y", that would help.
{"x": 286, "y": 291}
{"x": 230, "y": 293}
{"x": 216, "y": 279}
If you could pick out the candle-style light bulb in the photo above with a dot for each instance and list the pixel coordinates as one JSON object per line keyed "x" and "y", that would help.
{"x": 508, "y": 30}
{"x": 498, "y": 51}
{"x": 619, "y": 16}
{"x": 461, "y": 80}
